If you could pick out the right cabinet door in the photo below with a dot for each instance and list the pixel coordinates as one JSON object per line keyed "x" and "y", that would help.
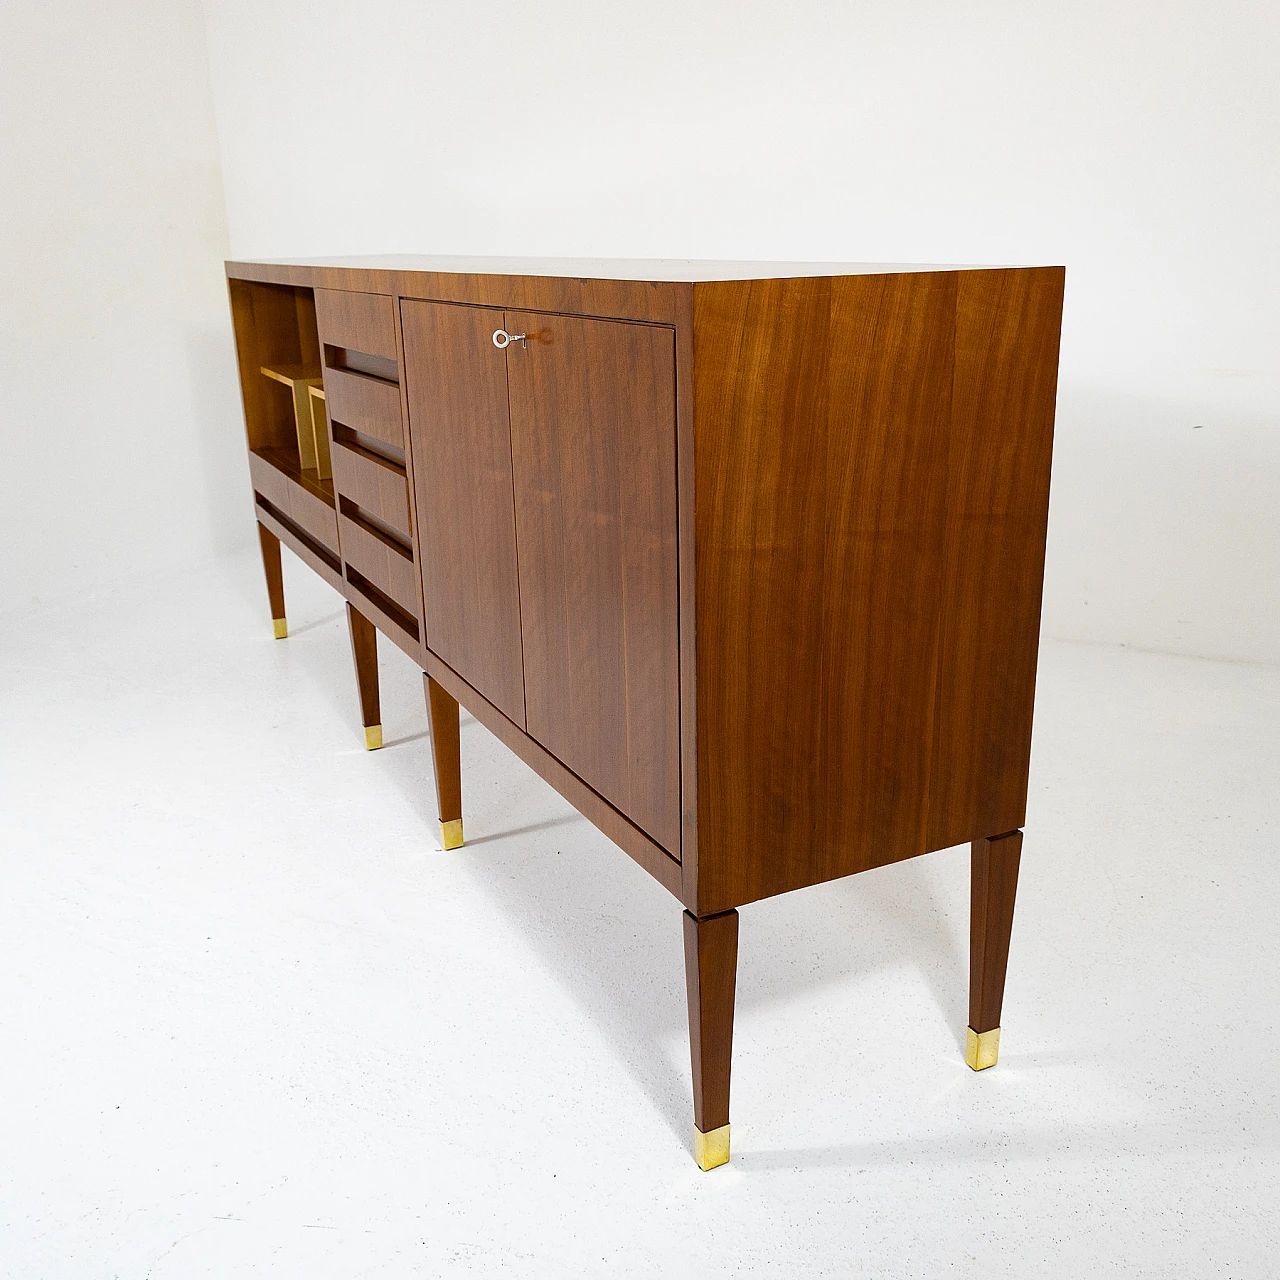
{"x": 593, "y": 446}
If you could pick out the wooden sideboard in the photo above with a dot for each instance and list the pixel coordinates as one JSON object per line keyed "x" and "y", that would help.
{"x": 744, "y": 559}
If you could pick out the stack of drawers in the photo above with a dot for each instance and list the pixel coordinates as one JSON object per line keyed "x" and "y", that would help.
{"x": 363, "y": 396}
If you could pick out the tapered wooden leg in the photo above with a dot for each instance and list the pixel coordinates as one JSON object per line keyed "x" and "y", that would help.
{"x": 710, "y": 969}
{"x": 275, "y": 579}
{"x": 364, "y": 649}
{"x": 442, "y": 711}
{"x": 993, "y": 887}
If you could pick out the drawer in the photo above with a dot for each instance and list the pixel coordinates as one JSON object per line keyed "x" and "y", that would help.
{"x": 373, "y": 484}
{"x": 367, "y": 405}
{"x": 270, "y": 481}
{"x": 384, "y": 563}
{"x": 357, "y": 321}
{"x": 312, "y": 514}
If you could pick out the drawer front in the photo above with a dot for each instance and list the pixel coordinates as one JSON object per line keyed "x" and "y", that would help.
{"x": 314, "y": 516}
{"x": 311, "y": 514}
{"x": 270, "y": 482}
{"x": 357, "y": 321}
{"x": 389, "y": 567}
{"x": 373, "y": 484}
{"x": 368, "y": 405}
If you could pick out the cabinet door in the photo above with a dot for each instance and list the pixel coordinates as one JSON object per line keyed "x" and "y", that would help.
{"x": 593, "y": 441}
{"x": 460, "y": 436}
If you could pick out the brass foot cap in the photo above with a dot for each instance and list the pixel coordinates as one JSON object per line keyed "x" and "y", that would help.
{"x": 451, "y": 834}
{"x": 711, "y": 1149}
{"x": 981, "y": 1049}
{"x": 282, "y": 628}
{"x": 372, "y": 736}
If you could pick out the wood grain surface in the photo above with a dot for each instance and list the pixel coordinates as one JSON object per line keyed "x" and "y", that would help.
{"x": 399, "y": 627}
{"x": 655, "y": 300}
{"x": 267, "y": 332}
{"x": 456, "y": 382}
{"x": 595, "y": 808}
{"x": 442, "y": 713}
{"x": 593, "y": 439}
{"x": 819, "y": 588}
{"x": 993, "y": 889}
{"x": 886, "y": 466}
{"x": 872, "y": 466}
{"x": 374, "y": 484}
{"x": 711, "y": 967}
{"x": 311, "y": 553}
{"x": 301, "y": 496}
{"x": 383, "y": 561}
{"x": 1006, "y": 378}
{"x": 760, "y": 382}
{"x": 368, "y": 405}
{"x": 364, "y": 653}
{"x": 361, "y": 321}
{"x": 270, "y": 546}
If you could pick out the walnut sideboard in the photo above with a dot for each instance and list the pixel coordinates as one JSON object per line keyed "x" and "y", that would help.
{"x": 744, "y": 559}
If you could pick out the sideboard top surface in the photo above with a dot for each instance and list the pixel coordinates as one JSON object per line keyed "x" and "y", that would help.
{"x": 656, "y": 270}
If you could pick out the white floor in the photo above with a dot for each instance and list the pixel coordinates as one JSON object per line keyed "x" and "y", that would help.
{"x": 254, "y": 1023}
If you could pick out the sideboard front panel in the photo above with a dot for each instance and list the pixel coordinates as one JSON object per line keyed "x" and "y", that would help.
{"x": 461, "y": 443}
{"x": 593, "y": 432}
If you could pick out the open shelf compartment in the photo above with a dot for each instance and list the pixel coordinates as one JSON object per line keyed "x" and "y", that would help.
{"x": 278, "y": 350}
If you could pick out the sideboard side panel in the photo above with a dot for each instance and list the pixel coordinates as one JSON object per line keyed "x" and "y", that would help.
{"x": 892, "y": 343}
{"x": 760, "y": 385}
{"x": 1006, "y": 373}
{"x": 872, "y": 470}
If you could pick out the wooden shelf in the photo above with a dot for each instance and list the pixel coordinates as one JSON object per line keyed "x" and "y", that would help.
{"x": 312, "y": 427}
{"x": 291, "y": 374}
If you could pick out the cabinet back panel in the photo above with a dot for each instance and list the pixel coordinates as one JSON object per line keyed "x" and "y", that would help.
{"x": 593, "y": 440}
{"x": 460, "y": 437}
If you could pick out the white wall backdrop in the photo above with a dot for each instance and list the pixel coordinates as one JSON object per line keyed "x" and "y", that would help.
{"x": 117, "y": 392}
{"x": 1136, "y": 143}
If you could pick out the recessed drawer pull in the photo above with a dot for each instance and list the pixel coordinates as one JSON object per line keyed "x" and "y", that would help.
{"x": 503, "y": 339}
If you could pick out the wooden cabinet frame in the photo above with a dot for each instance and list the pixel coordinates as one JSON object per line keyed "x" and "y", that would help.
{"x": 861, "y": 474}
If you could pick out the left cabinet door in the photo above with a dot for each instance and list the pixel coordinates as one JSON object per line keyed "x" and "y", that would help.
{"x": 460, "y": 437}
